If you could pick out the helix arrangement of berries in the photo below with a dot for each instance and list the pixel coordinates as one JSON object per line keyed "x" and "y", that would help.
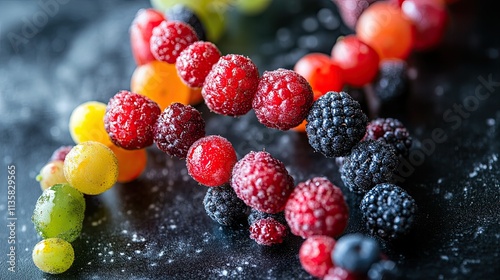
{"x": 111, "y": 140}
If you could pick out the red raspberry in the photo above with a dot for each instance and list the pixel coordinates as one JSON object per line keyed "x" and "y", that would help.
{"x": 140, "y": 34}
{"x": 170, "y": 38}
{"x": 130, "y": 119}
{"x": 338, "y": 273}
{"x": 60, "y": 153}
{"x": 316, "y": 207}
{"x": 267, "y": 231}
{"x": 195, "y": 62}
{"x": 231, "y": 85}
{"x": 177, "y": 128}
{"x": 210, "y": 160}
{"x": 262, "y": 182}
{"x": 315, "y": 255}
{"x": 283, "y": 99}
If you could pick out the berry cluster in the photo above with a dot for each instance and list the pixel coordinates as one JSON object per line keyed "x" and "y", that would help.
{"x": 257, "y": 187}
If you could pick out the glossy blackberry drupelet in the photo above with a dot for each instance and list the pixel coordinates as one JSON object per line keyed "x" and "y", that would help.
{"x": 257, "y": 215}
{"x": 392, "y": 80}
{"x": 370, "y": 162}
{"x": 224, "y": 207}
{"x": 335, "y": 124}
{"x": 389, "y": 211}
{"x": 182, "y": 13}
{"x": 392, "y": 132}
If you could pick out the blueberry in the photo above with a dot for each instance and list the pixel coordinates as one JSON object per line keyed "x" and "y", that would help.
{"x": 182, "y": 13}
{"x": 356, "y": 253}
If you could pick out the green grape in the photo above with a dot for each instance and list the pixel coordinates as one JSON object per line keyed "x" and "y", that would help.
{"x": 91, "y": 167}
{"x": 210, "y": 12}
{"x": 52, "y": 173}
{"x": 59, "y": 212}
{"x": 53, "y": 255}
{"x": 252, "y": 7}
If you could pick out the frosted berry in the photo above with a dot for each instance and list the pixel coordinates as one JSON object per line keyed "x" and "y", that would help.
{"x": 177, "y": 128}
{"x": 140, "y": 34}
{"x": 356, "y": 253}
{"x": 230, "y": 86}
{"x": 60, "y": 153}
{"x": 370, "y": 162}
{"x": 210, "y": 160}
{"x": 195, "y": 62}
{"x": 170, "y": 38}
{"x": 335, "y": 124}
{"x": 183, "y": 13}
{"x": 390, "y": 131}
{"x": 268, "y": 231}
{"x": 256, "y": 215}
{"x": 392, "y": 80}
{"x": 389, "y": 211}
{"x": 223, "y": 206}
{"x": 315, "y": 255}
{"x": 262, "y": 182}
{"x": 130, "y": 119}
{"x": 283, "y": 99}
{"x": 316, "y": 207}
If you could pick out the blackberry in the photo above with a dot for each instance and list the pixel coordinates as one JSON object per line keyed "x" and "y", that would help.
{"x": 392, "y": 80}
{"x": 335, "y": 124}
{"x": 356, "y": 253}
{"x": 224, "y": 207}
{"x": 182, "y": 13}
{"x": 384, "y": 270}
{"x": 389, "y": 211}
{"x": 258, "y": 215}
{"x": 370, "y": 162}
{"x": 392, "y": 132}
{"x": 177, "y": 128}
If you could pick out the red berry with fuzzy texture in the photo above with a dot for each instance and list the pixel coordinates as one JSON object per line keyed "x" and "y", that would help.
{"x": 170, "y": 38}
{"x": 283, "y": 99}
{"x": 60, "y": 153}
{"x": 210, "y": 160}
{"x": 262, "y": 182}
{"x": 195, "y": 62}
{"x": 230, "y": 86}
{"x": 316, "y": 207}
{"x": 177, "y": 128}
{"x": 315, "y": 255}
{"x": 267, "y": 231}
{"x": 140, "y": 34}
{"x": 130, "y": 119}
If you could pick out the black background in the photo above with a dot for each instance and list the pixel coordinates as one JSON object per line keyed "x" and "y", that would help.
{"x": 155, "y": 227}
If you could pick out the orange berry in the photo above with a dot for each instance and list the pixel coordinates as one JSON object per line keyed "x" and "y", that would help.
{"x": 384, "y": 27}
{"x": 131, "y": 163}
{"x": 159, "y": 81}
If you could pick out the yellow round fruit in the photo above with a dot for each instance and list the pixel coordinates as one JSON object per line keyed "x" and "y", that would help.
{"x": 91, "y": 167}
{"x": 87, "y": 123}
{"x": 53, "y": 255}
{"x": 51, "y": 174}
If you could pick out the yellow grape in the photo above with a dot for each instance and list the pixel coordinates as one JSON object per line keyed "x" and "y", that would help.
{"x": 53, "y": 255}
{"x": 87, "y": 123}
{"x": 91, "y": 167}
{"x": 52, "y": 173}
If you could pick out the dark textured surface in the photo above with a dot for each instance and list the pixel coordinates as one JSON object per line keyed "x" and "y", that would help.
{"x": 156, "y": 228}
